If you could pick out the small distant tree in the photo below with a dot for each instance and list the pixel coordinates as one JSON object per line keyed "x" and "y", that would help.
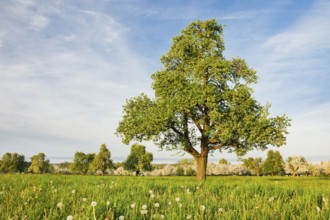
{"x": 12, "y": 163}
{"x": 296, "y": 165}
{"x": 138, "y": 160}
{"x": 274, "y": 164}
{"x": 179, "y": 171}
{"x": 223, "y": 161}
{"x": 81, "y": 162}
{"x": 186, "y": 162}
{"x": 253, "y": 165}
{"x": 39, "y": 164}
{"x": 102, "y": 161}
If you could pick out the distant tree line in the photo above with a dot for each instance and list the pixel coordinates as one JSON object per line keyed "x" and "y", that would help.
{"x": 138, "y": 162}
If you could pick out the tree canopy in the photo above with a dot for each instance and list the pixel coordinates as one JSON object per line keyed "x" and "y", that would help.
{"x": 202, "y": 101}
{"x": 139, "y": 159}
{"x": 102, "y": 160}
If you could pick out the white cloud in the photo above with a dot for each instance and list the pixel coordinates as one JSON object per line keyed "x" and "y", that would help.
{"x": 309, "y": 35}
{"x": 39, "y": 21}
{"x": 62, "y": 87}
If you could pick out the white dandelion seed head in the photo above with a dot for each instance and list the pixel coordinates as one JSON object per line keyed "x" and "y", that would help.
{"x": 202, "y": 207}
{"x": 133, "y": 205}
{"x": 150, "y": 191}
{"x": 188, "y": 217}
{"x": 144, "y": 211}
{"x": 70, "y": 217}
{"x": 169, "y": 203}
{"x": 59, "y": 205}
{"x": 180, "y": 205}
{"x": 152, "y": 196}
{"x": 108, "y": 203}
{"x": 93, "y": 203}
{"x": 220, "y": 210}
{"x": 162, "y": 216}
{"x": 121, "y": 217}
{"x": 177, "y": 199}
{"x": 318, "y": 209}
{"x": 144, "y": 207}
{"x": 84, "y": 199}
{"x": 156, "y": 204}
{"x": 73, "y": 191}
{"x": 271, "y": 199}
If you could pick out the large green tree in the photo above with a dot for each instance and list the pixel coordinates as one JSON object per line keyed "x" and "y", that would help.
{"x": 202, "y": 102}
{"x": 139, "y": 159}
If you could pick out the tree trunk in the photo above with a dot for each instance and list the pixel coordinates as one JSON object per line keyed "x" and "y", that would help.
{"x": 201, "y": 167}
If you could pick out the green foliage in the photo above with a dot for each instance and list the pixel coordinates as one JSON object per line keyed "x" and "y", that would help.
{"x": 203, "y": 102}
{"x": 12, "y": 163}
{"x": 102, "y": 161}
{"x": 39, "y": 164}
{"x": 223, "y": 161}
{"x": 139, "y": 159}
{"x": 274, "y": 164}
{"x": 81, "y": 162}
{"x": 190, "y": 172}
{"x": 253, "y": 165}
{"x": 179, "y": 171}
{"x": 57, "y": 197}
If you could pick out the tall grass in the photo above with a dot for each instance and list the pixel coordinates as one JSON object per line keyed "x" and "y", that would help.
{"x": 60, "y": 197}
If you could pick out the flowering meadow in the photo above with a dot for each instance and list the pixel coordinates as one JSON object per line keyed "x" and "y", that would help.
{"x": 110, "y": 197}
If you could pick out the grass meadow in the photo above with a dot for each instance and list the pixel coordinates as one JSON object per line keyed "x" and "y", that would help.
{"x": 110, "y": 197}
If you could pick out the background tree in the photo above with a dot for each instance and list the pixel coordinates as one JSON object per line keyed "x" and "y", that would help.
{"x": 202, "y": 102}
{"x": 39, "y": 164}
{"x": 81, "y": 162}
{"x": 223, "y": 161}
{"x": 253, "y": 165}
{"x": 102, "y": 161}
{"x": 12, "y": 163}
{"x": 274, "y": 164}
{"x": 296, "y": 165}
{"x": 138, "y": 160}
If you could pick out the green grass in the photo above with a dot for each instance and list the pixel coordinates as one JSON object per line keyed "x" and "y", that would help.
{"x": 57, "y": 197}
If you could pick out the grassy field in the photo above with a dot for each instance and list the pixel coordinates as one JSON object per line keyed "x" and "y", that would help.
{"x": 106, "y": 197}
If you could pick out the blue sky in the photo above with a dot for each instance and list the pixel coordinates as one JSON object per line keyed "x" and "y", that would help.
{"x": 67, "y": 67}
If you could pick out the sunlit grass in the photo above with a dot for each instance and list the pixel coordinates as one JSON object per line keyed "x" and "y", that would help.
{"x": 95, "y": 197}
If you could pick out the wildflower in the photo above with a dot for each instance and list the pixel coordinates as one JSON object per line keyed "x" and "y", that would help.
{"x": 177, "y": 199}
{"x": 318, "y": 209}
{"x": 188, "y": 217}
{"x": 73, "y": 191}
{"x": 220, "y": 210}
{"x": 156, "y": 204}
{"x": 84, "y": 199}
{"x": 121, "y": 217}
{"x": 150, "y": 191}
{"x": 144, "y": 207}
{"x": 93, "y": 204}
{"x": 70, "y": 217}
{"x": 162, "y": 216}
{"x": 144, "y": 211}
{"x": 133, "y": 205}
{"x": 202, "y": 207}
{"x": 180, "y": 205}
{"x": 271, "y": 199}
{"x": 152, "y": 196}
{"x": 169, "y": 203}
{"x": 108, "y": 203}
{"x": 59, "y": 205}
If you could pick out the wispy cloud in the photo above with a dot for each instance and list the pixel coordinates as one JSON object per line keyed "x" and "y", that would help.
{"x": 64, "y": 74}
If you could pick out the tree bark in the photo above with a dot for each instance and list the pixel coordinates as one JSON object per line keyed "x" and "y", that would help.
{"x": 201, "y": 167}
